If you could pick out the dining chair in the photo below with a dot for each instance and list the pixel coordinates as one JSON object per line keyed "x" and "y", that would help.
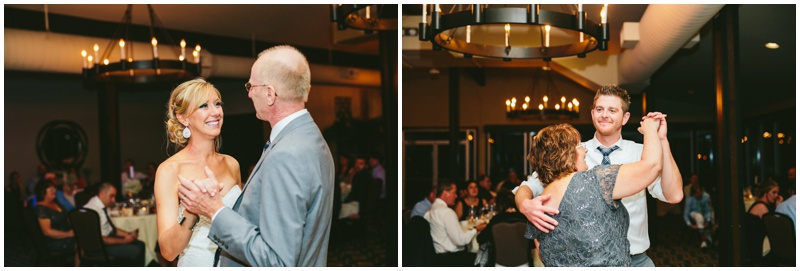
{"x": 44, "y": 257}
{"x": 418, "y": 244}
{"x": 88, "y": 237}
{"x": 511, "y": 248}
{"x": 781, "y": 233}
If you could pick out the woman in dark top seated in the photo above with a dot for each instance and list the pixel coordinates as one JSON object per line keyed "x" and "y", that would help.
{"x": 53, "y": 219}
{"x": 506, "y": 213}
{"x": 592, "y": 222}
{"x": 768, "y": 198}
{"x": 470, "y": 201}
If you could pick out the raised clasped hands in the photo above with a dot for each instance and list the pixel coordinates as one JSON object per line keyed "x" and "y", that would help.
{"x": 656, "y": 122}
{"x": 201, "y": 197}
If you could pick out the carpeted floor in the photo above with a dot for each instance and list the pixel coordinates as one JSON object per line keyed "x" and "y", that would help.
{"x": 673, "y": 244}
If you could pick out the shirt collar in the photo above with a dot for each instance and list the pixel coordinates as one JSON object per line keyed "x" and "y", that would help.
{"x": 593, "y": 143}
{"x": 285, "y": 121}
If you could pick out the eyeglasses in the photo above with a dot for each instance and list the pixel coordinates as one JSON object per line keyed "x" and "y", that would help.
{"x": 581, "y": 146}
{"x": 249, "y": 86}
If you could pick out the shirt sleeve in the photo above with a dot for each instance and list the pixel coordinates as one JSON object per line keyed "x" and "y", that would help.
{"x": 533, "y": 183}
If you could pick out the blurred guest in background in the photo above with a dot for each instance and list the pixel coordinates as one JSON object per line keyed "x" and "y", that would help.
{"x": 53, "y": 219}
{"x": 449, "y": 240}
{"x": 66, "y": 194}
{"x": 485, "y": 188}
{"x": 425, "y": 204}
{"x": 471, "y": 202}
{"x": 30, "y": 193}
{"x": 119, "y": 243}
{"x": 698, "y": 213}
{"x": 768, "y": 198}
{"x": 789, "y": 206}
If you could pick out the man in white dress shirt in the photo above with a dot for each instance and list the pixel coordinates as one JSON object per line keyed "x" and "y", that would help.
{"x": 449, "y": 240}
{"x": 119, "y": 243}
{"x": 609, "y": 112}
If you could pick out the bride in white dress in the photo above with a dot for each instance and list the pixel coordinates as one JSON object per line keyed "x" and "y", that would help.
{"x": 194, "y": 122}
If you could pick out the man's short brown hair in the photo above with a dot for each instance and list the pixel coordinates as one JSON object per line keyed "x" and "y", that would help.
{"x": 614, "y": 90}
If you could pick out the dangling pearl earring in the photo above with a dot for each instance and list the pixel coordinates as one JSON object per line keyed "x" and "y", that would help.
{"x": 186, "y": 132}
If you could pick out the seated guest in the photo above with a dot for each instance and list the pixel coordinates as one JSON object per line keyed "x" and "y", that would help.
{"x": 53, "y": 219}
{"x": 119, "y": 243}
{"x": 424, "y": 205}
{"x": 65, "y": 195}
{"x": 592, "y": 222}
{"x": 506, "y": 213}
{"x": 485, "y": 188}
{"x": 449, "y": 240}
{"x": 697, "y": 212}
{"x": 767, "y": 194}
{"x": 470, "y": 201}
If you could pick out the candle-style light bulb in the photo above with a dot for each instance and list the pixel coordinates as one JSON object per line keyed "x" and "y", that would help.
{"x": 604, "y": 14}
{"x": 469, "y": 33}
{"x": 558, "y": 107}
{"x": 90, "y": 58}
{"x": 527, "y": 99}
{"x": 105, "y": 61}
{"x": 569, "y": 107}
{"x": 96, "y": 48}
{"x": 154, "y": 42}
{"x": 547, "y": 36}
{"x": 183, "y": 48}
{"x": 83, "y": 56}
{"x": 514, "y": 100}
{"x": 541, "y": 107}
{"x": 525, "y": 106}
{"x": 508, "y": 29}
{"x": 366, "y": 11}
{"x": 508, "y": 102}
{"x": 122, "y": 49}
{"x": 196, "y": 55}
{"x": 181, "y": 58}
{"x": 424, "y": 13}
{"x": 197, "y": 48}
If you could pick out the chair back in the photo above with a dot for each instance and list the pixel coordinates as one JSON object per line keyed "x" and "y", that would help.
{"x": 81, "y": 198}
{"x": 420, "y": 249}
{"x": 35, "y": 231}
{"x": 511, "y": 247}
{"x": 781, "y": 234}
{"x": 88, "y": 236}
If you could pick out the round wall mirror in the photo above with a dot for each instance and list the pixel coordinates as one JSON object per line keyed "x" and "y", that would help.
{"x": 62, "y": 145}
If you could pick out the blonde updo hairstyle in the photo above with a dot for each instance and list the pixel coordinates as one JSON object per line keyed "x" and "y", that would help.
{"x": 552, "y": 154}
{"x": 184, "y": 100}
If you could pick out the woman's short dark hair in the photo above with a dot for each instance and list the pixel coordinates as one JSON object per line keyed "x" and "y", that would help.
{"x": 41, "y": 189}
{"x": 552, "y": 154}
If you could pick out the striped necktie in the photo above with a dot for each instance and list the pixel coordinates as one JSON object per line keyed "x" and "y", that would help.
{"x": 606, "y": 152}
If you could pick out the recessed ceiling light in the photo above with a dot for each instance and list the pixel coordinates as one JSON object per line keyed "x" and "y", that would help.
{"x": 772, "y": 45}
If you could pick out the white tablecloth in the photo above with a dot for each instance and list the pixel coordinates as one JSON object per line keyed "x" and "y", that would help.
{"x": 148, "y": 232}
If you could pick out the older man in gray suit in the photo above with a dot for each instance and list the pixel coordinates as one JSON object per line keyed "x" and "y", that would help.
{"x": 283, "y": 216}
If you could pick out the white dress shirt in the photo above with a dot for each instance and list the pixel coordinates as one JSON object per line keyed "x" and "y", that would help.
{"x": 446, "y": 229}
{"x": 95, "y": 204}
{"x": 628, "y": 152}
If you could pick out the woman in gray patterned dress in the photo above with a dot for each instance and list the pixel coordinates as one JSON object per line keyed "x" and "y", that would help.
{"x": 592, "y": 222}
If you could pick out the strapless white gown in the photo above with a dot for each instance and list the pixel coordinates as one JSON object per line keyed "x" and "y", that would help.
{"x": 200, "y": 250}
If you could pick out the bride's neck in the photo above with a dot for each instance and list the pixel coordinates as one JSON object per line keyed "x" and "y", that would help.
{"x": 201, "y": 148}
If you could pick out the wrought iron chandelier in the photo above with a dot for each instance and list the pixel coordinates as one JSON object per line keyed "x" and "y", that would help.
{"x": 513, "y": 31}
{"x": 365, "y": 17}
{"x": 545, "y": 103}
{"x": 132, "y": 73}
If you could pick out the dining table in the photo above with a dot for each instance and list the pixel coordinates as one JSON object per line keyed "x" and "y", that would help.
{"x": 148, "y": 231}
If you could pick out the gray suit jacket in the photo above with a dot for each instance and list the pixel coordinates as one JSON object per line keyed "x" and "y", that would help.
{"x": 284, "y": 215}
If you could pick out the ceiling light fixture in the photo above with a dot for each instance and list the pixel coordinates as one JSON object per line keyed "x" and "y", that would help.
{"x": 513, "y": 31}
{"x": 365, "y": 17}
{"x": 772, "y": 45}
{"x": 545, "y": 103}
{"x": 132, "y": 74}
